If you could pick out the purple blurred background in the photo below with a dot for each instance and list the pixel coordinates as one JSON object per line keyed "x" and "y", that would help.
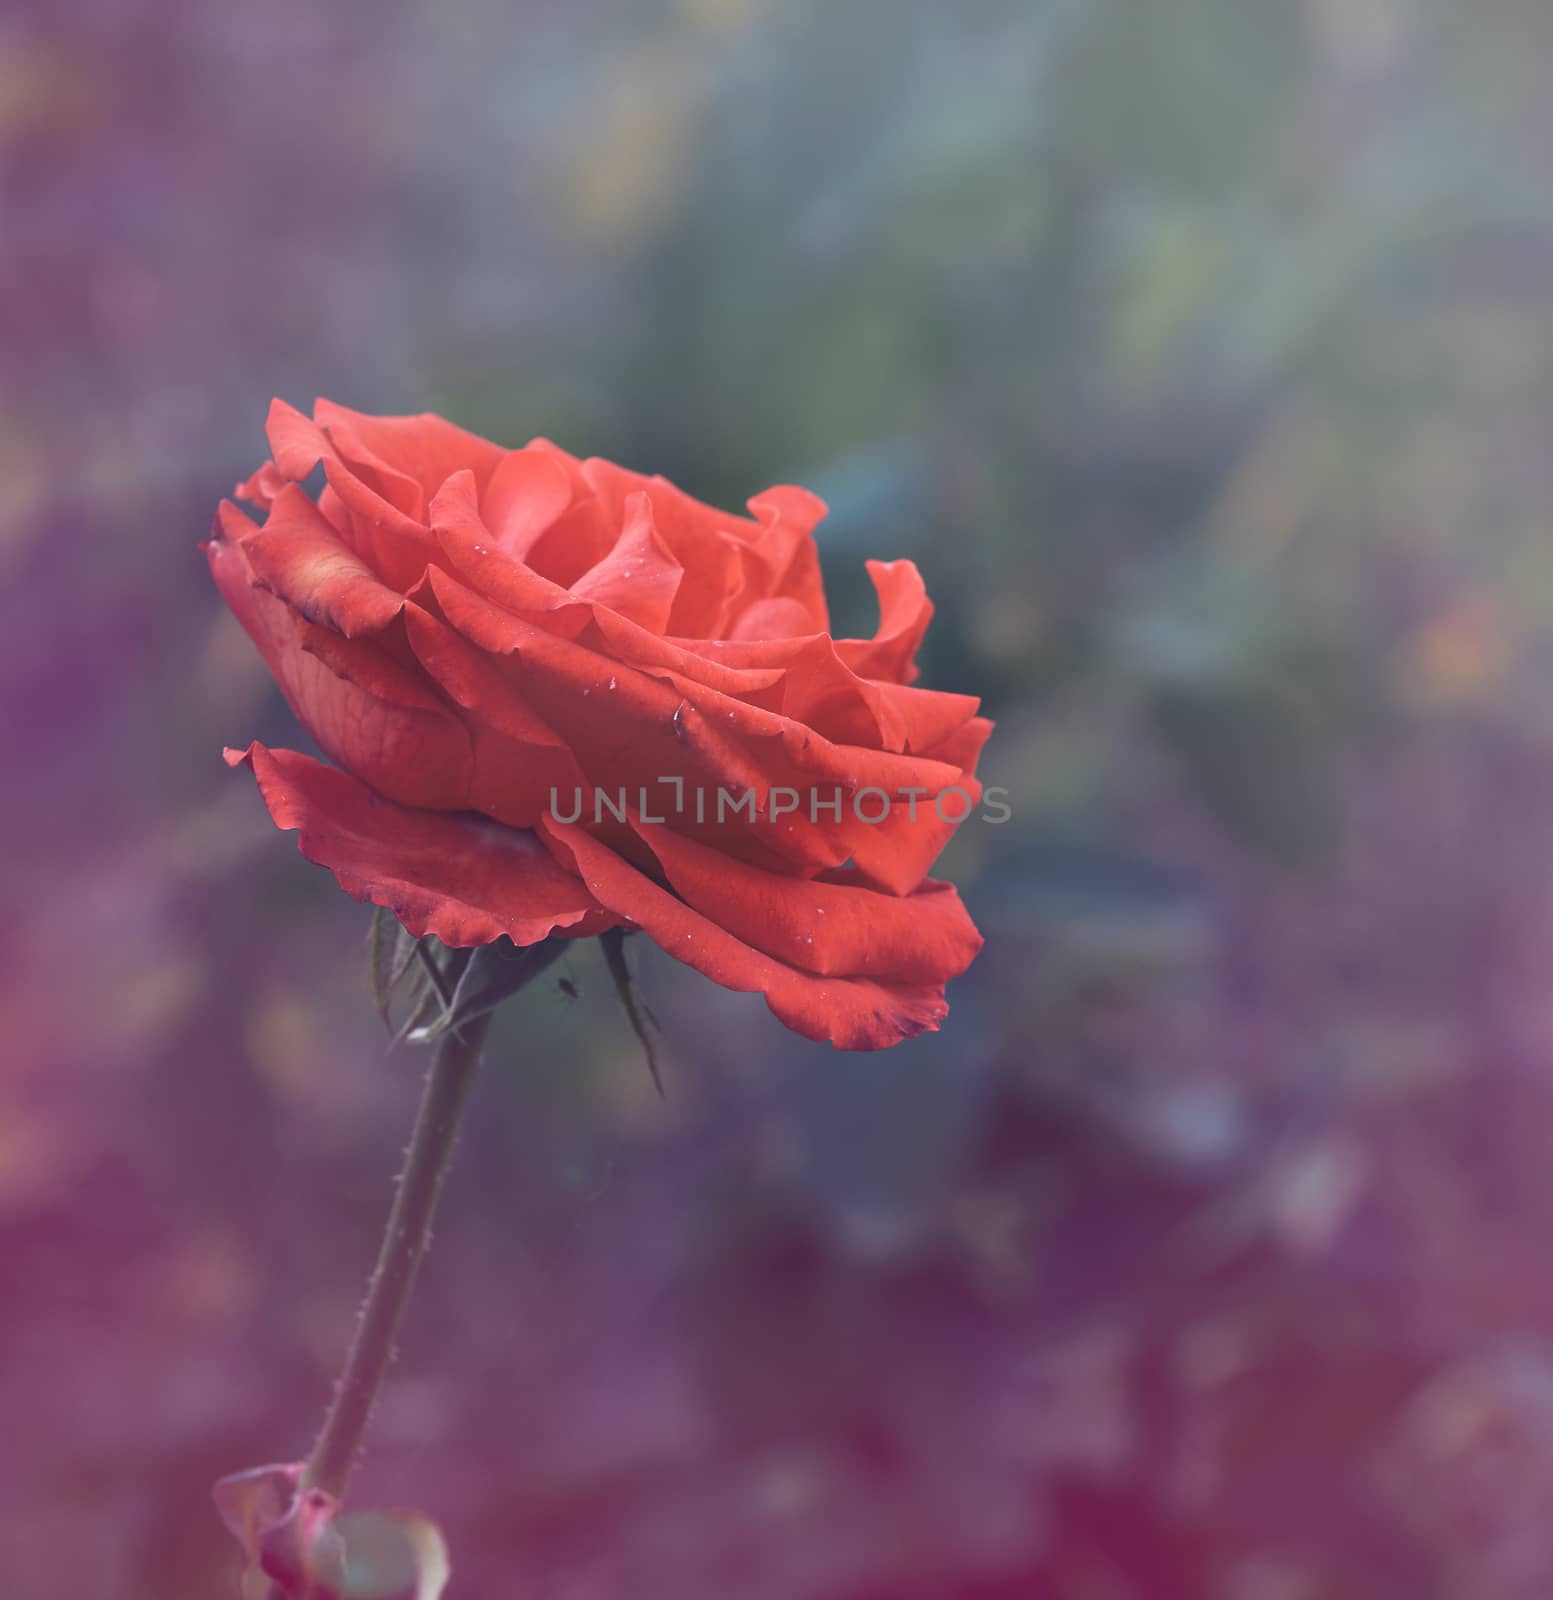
{"x": 1200, "y": 355}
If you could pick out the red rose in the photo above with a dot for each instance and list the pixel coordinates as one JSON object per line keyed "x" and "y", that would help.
{"x": 505, "y": 649}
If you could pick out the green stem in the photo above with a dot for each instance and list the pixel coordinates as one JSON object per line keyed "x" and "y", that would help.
{"x": 404, "y": 1243}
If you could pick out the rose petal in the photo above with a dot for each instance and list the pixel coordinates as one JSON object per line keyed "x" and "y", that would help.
{"x": 904, "y": 614}
{"x": 904, "y": 844}
{"x": 836, "y": 926}
{"x": 300, "y": 557}
{"x": 528, "y": 494}
{"x": 424, "y": 449}
{"x": 470, "y": 548}
{"x": 923, "y": 720}
{"x": 629, "y": 728}
{"x": 852, "y": 1013}
{"x": 639, "y": 578}
{"x": 785, "y": 548}
{"x": 704, "y": 540}
{"x": 699, "y": 661}
{"x": 392, "y": 543}
{"x": 778, "y": 617}
{"x": 297, "y": 443}
{"x": 520, "y": 764}
{"x": 262, "y": 486}
{"x": 455, "y": 875}
{"x": 819, "y": 688}
{"x": 365, "y": 712}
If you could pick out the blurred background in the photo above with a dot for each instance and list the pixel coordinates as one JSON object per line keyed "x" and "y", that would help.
{"x": 1199, "y": 352}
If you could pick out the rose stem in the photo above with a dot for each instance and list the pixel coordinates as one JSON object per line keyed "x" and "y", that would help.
{"x": 404, "y": 1243}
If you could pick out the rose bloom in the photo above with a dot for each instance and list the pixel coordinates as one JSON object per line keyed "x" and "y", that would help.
{"x": 485, "y": 640}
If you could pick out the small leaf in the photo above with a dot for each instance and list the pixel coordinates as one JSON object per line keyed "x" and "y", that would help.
{"x": 390, "y": 952}
{"x": 433, "y": 974}
{"x": 490, "y": 974}
{"x": 393, "y": 968}
{"x": 636, "y": 1010}
{"x": 425, "y": 1008}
